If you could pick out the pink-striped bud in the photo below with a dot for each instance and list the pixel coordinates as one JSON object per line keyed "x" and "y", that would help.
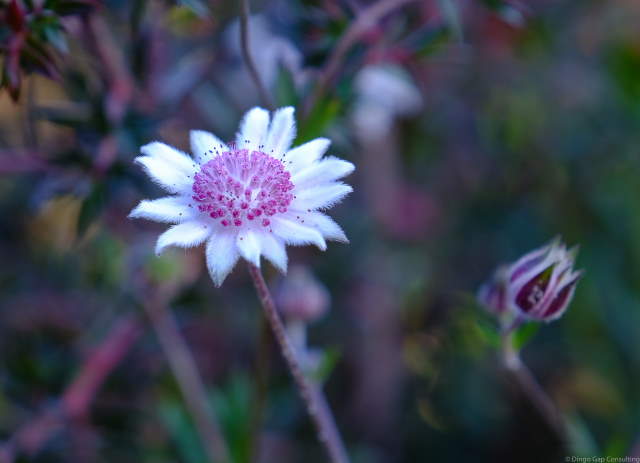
{"x": 541, "y": 283}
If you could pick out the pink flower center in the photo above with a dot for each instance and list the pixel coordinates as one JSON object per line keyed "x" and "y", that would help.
{"x": 240, "y": 187}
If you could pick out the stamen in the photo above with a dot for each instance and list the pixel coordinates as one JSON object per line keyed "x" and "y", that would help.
{"x": 242, "y": 185}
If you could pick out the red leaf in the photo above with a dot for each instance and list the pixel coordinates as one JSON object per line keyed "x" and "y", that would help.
{"x": 15, "y": 15}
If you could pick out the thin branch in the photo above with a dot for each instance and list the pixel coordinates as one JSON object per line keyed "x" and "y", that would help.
{"x": 99, "y": 365}
{"x": 118, "y": 82}
{"x": 79, "y": 395}
{"x": 191, "y": 385}
{"x": 363, "y": 22}
{"x": 311, "y": 394}
{"x": 248, "y": 59}
{"x": 23, "y": 162}
{"x": 530, "y": 387}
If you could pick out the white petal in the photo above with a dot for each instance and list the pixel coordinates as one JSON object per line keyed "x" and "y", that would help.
{"x": 295, "y": 233}
{"x": 170, "y": 155}
{"x": 170, "y": 209}
{"x": 249, "y": 247}
{"x": 168, "y": 176}
{"x": 205, "y": 145}
{"x": 281, "y": 132}
{"x": 253, "y": 129}
{"x": 323, "y": 196}
{"x": 222, "y": 255}
{"x": 325, "y": 225}
{"x": 184, "y": 235}
{"x": 274, "y": 250}
{"x": 323, "y": 171}
{"x": 304, "y": 155}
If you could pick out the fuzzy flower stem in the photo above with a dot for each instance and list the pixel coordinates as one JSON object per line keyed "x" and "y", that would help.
{"x": 311, "y": 394}
{"x": 509, "y": 328}
{"x": 530, "y": 387}
{"x": 191, "y": 385}
{"x": 248, "y": 59}
{"x": 261, "y": 372}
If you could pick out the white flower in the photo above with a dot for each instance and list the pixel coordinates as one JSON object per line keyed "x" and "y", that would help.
{"x": 248, "y": 199}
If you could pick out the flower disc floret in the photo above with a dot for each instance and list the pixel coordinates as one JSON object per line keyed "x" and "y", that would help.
{"x": 241, "y": 188}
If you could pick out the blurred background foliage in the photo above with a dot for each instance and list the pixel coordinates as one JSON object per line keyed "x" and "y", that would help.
{"x": 479, "y": 129}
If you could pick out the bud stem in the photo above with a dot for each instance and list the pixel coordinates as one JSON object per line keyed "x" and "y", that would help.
{"x": 530, "y": 387}
{"x": 310, "y": 392}
{"x": 508, "y": 329}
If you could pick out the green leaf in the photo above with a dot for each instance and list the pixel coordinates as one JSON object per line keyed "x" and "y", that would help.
{"x": 617, "y": 445}
{"x": 92, "y": 207}
{"x": 488, "y": 332}
{"x": 71, "y": 115}
{"x": 321, "y": 117}
{"x": 431, "y": 41}
{"x": 451, "y": 14}
{"x": 524, "y": 333}
{"x": 182, "y": 431}
{"x": 105, "y": 264}
{"x": 285, "y": 91}
{"x": 232, "y": 404}
{"x": 493, "y": 4}
{"x": 581, "y": 441}
{"x": 326, "y": 365}
{"x": 475, "y": 325}
{"x": 56, "y": 37}
{"x": 11, "y": 79}
{"x": 624, "y": 66}
{"x": 197, "y": 6}
{"x": 163, "y": 268}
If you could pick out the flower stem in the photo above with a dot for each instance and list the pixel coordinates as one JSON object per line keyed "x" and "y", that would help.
{"x": 248, "y": 59}
{"x": 191, "y": 385}
{"x": 310, "y": 392}
{"x": 530, "y": 387}
{"x": 509, "y": 328}
{"x": 261, "y": 372}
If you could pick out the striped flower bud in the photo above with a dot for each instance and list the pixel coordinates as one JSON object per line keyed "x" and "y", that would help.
{"x": 541, "y": 283}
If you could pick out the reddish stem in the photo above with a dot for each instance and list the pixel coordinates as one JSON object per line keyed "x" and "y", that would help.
{"x": 311, "y": 394}
{"x": 79, "y": 395}
{"x": 363, "y": 22}
{"x": 102, "y": 361}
